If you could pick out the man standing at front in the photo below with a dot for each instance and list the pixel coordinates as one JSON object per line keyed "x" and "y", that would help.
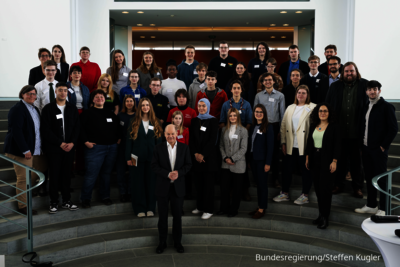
{"x": 224, "y": 65}
{"x": 187, "y": 69}
{"x": 171, "y": 161}
{"x": 90, "y": 71}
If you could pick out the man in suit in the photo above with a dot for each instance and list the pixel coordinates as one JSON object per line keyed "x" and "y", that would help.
{"x": 325, "y": 83}
{"x": 294, "y": 63}
{"x": 46, "y": 88}
{"x": 330, "y": 51}
{"x": 312, "y": 79}
{"x": 171, "y": 161}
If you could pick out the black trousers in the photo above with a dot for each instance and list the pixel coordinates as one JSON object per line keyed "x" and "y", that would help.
{"x": 234, "y": 181}
{"x": 276, "y": 152}
{"x": 189, "y": 183}
{"x": 176, "y": 208}
{"x": 205, "y": 182}
{"x": 375, "y": 162}
{"x": 323, "y": 185}
{"x": 257, "y": 166}
{"x": 351, "y": 153}
{"x": 60, "y": 175}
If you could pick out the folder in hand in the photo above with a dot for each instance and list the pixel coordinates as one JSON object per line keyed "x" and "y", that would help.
{"x": 134, "y": 160}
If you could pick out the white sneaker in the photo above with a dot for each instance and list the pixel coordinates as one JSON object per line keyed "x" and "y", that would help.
{"x": 366, "y": 209}
{"x": 281, "y": 197}
{"x": 301, "y": 200}
{"x": 196, "y": 211}
{"x": 141, "y": 214}
{"x": 150, "y": 214}
{"x": 206, "y": 215}
{"x": 381, "y": 213}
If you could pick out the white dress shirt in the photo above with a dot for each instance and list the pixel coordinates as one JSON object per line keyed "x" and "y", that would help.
{"x": 145, "y": 126}
{"x": 314, "y": 76}
{"x": 172, "y": 156}
{"x": 59, "y": 66}
{"x": 43, "y": 97}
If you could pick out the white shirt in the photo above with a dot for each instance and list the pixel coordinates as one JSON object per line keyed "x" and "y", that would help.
{"x": 295, "y": 120}
{"x": 315, "y": 76}
{"x": 59, "y": 66}
{"x": 62, "y": 108}
{"x": 232, "y": 131}
{"x": 43, "y": 97}
{"x": 79, "y": 98}
{"x": 371, "y": 104}
{"x": 146, "y": 126}
{"x": 169, "y": 88}
{"x": 172, "y": 156}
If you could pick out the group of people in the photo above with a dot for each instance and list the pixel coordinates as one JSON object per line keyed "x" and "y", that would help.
{"x": 203, "y": 124}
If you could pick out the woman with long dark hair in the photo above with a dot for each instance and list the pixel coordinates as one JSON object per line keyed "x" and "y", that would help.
{"x": 144, "y": 133}
{"x": 58, "y": 55}
{"x": 258, "y": 65}
{"x": 322, "y": 153}
{"x": 147, "y": 70}
{"x": 118, "y": 71}
{"x": 241, "y": 75}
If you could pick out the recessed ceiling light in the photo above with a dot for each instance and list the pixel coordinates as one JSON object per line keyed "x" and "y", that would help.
{"x": 140, "y": 12}
{"x": 285, "y": 24}
{"x": 152, "y": 24}
{"x": 152, "y": 37}
{"x": 172, "y": 15}
{"x": 142, "y": 25}
{"x": 142, "y": 36}
{"x": 283, "y": 12}
{"x": 272, "y": 36}
{"x": 125, "y": 12}
{"x": 272, "y": 25}
{"x": 299, "y": 12}
{"x": 283, "y": 36}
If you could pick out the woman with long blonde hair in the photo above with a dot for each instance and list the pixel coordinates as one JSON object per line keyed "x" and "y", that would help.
{"x": 105, "y": 83}
{"x": 144, "y": 133}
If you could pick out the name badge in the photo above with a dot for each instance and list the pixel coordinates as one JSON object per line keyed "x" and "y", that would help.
{"x": 308, "y": 109}
{"x": 180, "y": 136}
{"x": 258, "y": 131}
{"x": 158, "y": 73}
{"x": 223, "y": 64}
{"x": 195, "y": 72}
{"x": 169, "y": 90}
{"x": 159, "y": 105}
{"x": 122, "y": 123}
{"x": 240, "y": 112}
{"x": 109, "y": 120}
{"x": 108, "y": 96}
{"x": 203, "y": 128}
{"x": 71, "y": 91}
{"x": 235, "y": 136}
{"x": 125, "y": 74}
{"x": 202, "y": 85}
{"x": 59, "y": 116}
{"x": 151, "y": 127}
{"x": 137, "y": 95}
{"x": 256, "y": 66}
{"x": 317, "y": 81}
{"x": 272, "y": 100}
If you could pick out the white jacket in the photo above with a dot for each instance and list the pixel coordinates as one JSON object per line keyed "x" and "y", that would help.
{"x": 287, "y": 136}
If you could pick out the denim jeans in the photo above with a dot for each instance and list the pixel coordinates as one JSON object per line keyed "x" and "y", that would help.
{"x": 99, "y": 161}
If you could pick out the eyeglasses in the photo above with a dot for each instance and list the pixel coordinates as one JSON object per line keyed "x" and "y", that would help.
{"x": 31, "y": 94}
{"x": 323, "y": 111}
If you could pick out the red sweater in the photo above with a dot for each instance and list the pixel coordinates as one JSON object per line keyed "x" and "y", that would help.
{"x": 188, "y": 115}
{"x": 216, "y": 105}
{"x": 90, "y": 74}
{"x": 184, "y": 138}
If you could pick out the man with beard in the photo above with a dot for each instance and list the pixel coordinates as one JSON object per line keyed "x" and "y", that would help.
{"x": 223, "y": 65}
{"x": 330, "y": 51}
{"x": 325, "y": 83}
{"x": 348, "y": 99}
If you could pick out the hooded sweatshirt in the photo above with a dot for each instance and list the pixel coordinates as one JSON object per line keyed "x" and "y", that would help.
{"x": 194, "y": 88}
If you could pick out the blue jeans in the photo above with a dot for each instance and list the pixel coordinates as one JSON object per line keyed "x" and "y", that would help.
{"x": 99, "y": 160}
{"x": 290, "y": 162}
{"x": 124, "y": 180}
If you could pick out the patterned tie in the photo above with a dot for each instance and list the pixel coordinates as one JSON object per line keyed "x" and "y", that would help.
{"x": 51, "y": 93}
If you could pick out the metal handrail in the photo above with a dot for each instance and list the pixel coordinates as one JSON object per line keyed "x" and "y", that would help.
{"x": 389, "y": 196}
{"x": 28, "y": 193}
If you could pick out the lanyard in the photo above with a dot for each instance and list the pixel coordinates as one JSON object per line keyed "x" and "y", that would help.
{"x": 241, "y": 105}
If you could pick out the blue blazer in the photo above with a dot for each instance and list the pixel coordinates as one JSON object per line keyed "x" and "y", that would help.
{"x": 21, "y": 131}
{"x": 263, "y": 145}
{"x": 85, "y": 95}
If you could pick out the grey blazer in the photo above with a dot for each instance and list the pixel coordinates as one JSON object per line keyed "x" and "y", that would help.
{"x": 235, "y": 149}
{"x": 144, "y": 79}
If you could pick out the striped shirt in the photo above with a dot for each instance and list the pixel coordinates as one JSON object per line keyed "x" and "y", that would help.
{"x": 36, "y": 120}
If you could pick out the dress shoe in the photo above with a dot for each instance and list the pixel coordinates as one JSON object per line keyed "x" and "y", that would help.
{"x": 107, "y": 202}
{"x": 318, "y": 220}
{"x": 323, "y": 223}
{"x": 358, "y": 193}
{"x": 253, "y": 212}
{"x": 179, "y": 248}
{"x": 232, "y": 214}
{"x": 337, "y": 190}
{"x": 86, "y": 204}
{"x": 221, "y": 212}
{"x": 258, "y": 215}
{"x": 25, "y": 211}
{"x": 161, "y": 247}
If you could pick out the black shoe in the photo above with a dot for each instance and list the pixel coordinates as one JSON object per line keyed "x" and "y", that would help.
{"x": 318, "y": 220}
{"x": 179, "y": 248}
{"x": 86, "y": 204}
{"x": 161, "y": 247}
{"x": 232, "y": 214}
{"x": 221, "y": 212}
{"x": 69, "y": 205}
{"x": 107, "y": 202}
{"x": 53, "y": 208}
{"x": 323, "y": 224}
{"x": 124, "y": 198}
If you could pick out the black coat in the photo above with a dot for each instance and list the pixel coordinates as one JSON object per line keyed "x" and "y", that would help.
{"x": 36, "y": 75}
{"x": 284, "y": 68}
{"x": 161, "y": 166}
{"x": 313, "y": 87}
{"x": 335, "y": 98}
{"x": 63, "y": 76}
{"x": 21, "y": 135}
{"x": 323, "y": 68}
{"x": 263, "y": 146}
{"x": 382, "y": 125}
{"x": 204, "y": 143}
{"x": 322, "y": 90}
{"x": 290, "y": 93}
{"x": 51, "y": 128}
{"x": 160, "y": 105}
{"x": 331, "y": 146}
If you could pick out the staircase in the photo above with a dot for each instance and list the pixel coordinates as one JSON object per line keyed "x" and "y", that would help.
{"x": 113, "y": 236}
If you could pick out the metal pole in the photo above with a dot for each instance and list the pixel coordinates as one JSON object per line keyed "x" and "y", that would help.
{"x": 388, "y": 197}
{"x": 29, "y": 209}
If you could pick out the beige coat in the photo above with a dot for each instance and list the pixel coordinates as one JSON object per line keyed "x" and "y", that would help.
{"x": 287, "y": 131}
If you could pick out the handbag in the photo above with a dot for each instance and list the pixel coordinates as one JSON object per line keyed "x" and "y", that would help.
{"x": 35, "y": 263}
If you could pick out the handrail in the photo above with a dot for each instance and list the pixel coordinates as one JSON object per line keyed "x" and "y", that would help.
{"x": 28, "y": 192}
{"x": 389, "y": 196}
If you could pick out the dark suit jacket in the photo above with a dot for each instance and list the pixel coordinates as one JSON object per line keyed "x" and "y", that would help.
{"x": 263, "y": 145}
{"x": 63, "y": 76}
{"x": 21, "y": 131}
{"x": 36, "y": 75}
{"x": 284, "y": 68}
{"x": 323, "y": 90}
{"x": 162, "y": 167}
{"x": 313, "y": 87}
{"x": 323, "y": 68}
{"x": 382, "y": 125}
{"x": 51, "y": 128}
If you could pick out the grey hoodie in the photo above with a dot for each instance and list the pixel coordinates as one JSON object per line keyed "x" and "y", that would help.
{"x": 194, "y": 88}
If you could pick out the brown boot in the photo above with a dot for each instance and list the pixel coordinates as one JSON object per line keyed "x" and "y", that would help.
{"x": 358, "y": 193}
{"x": 253, "y": 212}
{"x": 258, "y": 215}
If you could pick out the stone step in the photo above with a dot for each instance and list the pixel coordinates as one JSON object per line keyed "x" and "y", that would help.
{"x": 394, "y": 149}
{"x": 393, "y": 161}
{"x": 3, "y": 134}
{"x": 397, "y": 138}
{"x": 7, "y": 174}
{"x": 398, "y": 115}
{"x": 7, "y": 104}
{"x": 239, "y": 237}
{"x": 3, "y": 125}
{"x": 3, "y": 114}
